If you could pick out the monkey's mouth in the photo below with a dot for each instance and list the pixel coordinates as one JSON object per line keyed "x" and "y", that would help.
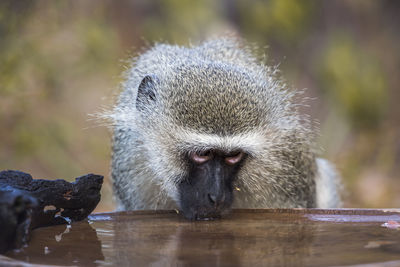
{"x": 196, "y": 205}
{"x": 209, "y": 217}
{"x": 205, "y": 213}
{"x": 200, "y": 215}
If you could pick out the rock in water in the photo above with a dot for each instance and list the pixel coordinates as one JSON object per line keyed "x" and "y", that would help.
{"x": 27, "y": 203}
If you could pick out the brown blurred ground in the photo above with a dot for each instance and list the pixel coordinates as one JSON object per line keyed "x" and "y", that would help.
{"x": 61, "y": 60}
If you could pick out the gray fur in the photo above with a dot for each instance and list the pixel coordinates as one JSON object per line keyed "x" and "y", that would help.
{"x": 215, "y": 95}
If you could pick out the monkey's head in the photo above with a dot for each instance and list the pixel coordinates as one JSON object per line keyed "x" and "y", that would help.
{"x": 205, "y": 124}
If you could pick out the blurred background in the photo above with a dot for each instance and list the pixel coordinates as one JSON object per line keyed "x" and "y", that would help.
{"x": 62, "y": 60}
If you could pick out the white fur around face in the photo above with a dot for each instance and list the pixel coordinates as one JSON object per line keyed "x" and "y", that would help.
{"x": 166, "y": 162}
{"x": 251, "y": 143}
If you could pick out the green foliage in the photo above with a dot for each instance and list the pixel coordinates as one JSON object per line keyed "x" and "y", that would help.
{"x": 178, "y": 21}
{"x": 98, "y": 40}
{"x": 284, "y": 20}
{"x": 355, "y": 80}
{"x": 45, "y": 70}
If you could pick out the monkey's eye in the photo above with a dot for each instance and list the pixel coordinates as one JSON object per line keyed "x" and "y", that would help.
{"x": 200, "y": 157}
{"x": 234, "y": 159}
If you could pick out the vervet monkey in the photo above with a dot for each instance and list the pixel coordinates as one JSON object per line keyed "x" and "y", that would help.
{"x": 205, "y": 128}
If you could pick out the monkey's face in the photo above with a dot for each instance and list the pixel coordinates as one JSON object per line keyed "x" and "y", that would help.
{"x": 207, "y": 191}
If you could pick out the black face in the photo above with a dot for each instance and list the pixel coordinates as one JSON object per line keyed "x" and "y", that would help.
{"x": 208, "y": 189}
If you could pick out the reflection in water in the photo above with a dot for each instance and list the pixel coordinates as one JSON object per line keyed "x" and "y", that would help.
{"x": 217, "y": 243}
{"x": 61, "y": 245}
{"x": 226, "y": 247}
{"x": 240, "y": 239}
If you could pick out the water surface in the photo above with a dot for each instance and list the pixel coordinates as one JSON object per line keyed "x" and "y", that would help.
{"x": 243, "y": 238}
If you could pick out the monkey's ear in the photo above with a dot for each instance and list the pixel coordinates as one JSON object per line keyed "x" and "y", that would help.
{"x": 146, "y": 91}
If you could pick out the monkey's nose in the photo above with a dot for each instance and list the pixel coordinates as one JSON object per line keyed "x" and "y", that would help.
{"x": 212, "y": 198}
{"x": 216, "y": 200}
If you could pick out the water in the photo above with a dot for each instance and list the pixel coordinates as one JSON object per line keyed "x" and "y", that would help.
{"x": 243, "y": 238}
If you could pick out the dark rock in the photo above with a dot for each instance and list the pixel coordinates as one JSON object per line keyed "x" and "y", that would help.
{"x": 27, "y": 203}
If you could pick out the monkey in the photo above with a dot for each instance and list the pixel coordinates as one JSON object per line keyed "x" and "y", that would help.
{"x": 206, "y": 128}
